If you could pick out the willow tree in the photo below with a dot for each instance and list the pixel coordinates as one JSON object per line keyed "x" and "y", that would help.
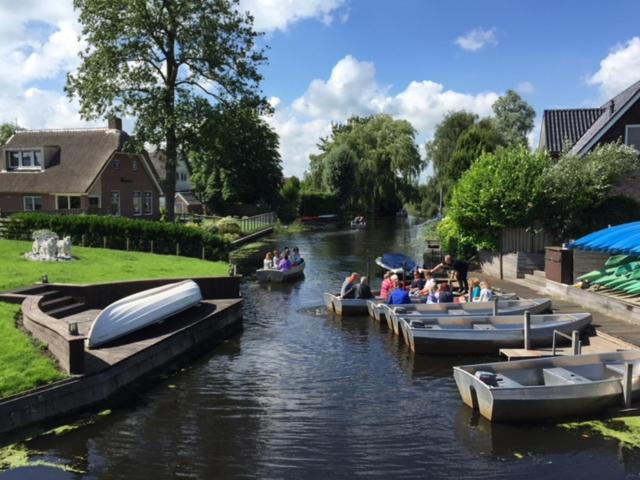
{"x": 164, "y": 61}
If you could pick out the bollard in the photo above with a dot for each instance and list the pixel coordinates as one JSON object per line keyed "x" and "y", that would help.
{"x": 495, "y": 306}
{"x": 627, "y": 381}
{"x": 527, "y": 330}
{"x": 576, "y": 345}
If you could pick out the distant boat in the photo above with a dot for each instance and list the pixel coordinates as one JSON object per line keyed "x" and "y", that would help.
{"x": 142, "y": 309}
{"x": 486, "y": 334}
{"x": 280, "y": 276}
{"x": 547, "y": 388}
{"x": 396, "y": 263}
{"x": 358, "y": 225}
{"x": 319, "y": 218}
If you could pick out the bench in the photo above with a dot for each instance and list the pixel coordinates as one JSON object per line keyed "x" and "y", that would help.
{"x": 562, "y": 376}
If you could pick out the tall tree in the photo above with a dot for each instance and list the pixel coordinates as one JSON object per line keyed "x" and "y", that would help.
{"x": 514, "y": 117}
{"x": 445, "y": 140}
{"x": 157, "y": 59}
{"x": 236, "y": 159}
{"x": 339, "y": 174}
{"x": 479, "y": 138}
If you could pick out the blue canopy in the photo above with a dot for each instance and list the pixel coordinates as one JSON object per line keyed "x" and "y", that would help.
{"x": 621, "y": 239}
{"x": 398, "y": 260}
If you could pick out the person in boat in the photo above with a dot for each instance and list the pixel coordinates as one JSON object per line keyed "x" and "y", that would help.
{"x": 363, "y": 291}
{"x": 430, "y": 294}
{"x": 486, "y": 294}
{"x": 276, "y": 258}
{"x": 349, "y": 286}
{"x": 444, "y": 293}
{"x": 474, "y": 285}
{"x": 460, "y": 269}
{"x": 267, "y": 264}
{"x": 418, "y": 282}
{"x": 296, "y": 259}
{"x": 386, "y": 286}
{"x": 285, "y": 264}
{"x": 429, "y": 283}
{"x": 399, "y": 296}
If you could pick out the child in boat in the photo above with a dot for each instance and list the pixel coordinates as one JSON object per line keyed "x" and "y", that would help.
{"x": 268, "y": 261}
{"x": 486, "y": 294}
{"x": 474, "y": 286}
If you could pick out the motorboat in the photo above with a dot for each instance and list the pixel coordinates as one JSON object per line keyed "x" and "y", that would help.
{"x": 398, "y": 263}
{"x": 273, "y": 275}
{"x": 427, "y": 310}
{"x": 358, "y": 225}
{"x": 548, "y": 388}
{"x": 486, "y": 334}
{"x": 142, "y": 309}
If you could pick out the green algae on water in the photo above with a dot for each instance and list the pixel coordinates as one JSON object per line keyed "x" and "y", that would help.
{"x": 624, "y": 429}
{"x": 17, "y": 456}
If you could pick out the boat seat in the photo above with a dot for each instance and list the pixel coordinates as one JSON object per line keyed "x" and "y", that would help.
{"x": 615, "y": 368}
{"x": 562, "y": 376}
{"x": 457, "y": 312}
{"x": 483, "y": 326}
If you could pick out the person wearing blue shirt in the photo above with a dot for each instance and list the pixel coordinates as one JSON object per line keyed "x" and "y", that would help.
{"x": 399, "y": 297}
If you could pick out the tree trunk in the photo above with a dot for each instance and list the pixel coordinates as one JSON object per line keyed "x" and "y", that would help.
{"x": 170, "y": 125}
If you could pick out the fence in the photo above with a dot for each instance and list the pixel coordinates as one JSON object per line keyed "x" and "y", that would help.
{"x": 248, "y": 225}
{"x": 525, "y": 240}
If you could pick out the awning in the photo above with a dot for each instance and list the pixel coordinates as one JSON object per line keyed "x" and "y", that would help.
{"x": 621, "y": 239}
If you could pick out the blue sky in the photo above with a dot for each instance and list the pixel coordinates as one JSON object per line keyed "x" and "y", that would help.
{"x": 329, "y": 59}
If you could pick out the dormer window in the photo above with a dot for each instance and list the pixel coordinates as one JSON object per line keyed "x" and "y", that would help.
{"x": 25, "y": 159}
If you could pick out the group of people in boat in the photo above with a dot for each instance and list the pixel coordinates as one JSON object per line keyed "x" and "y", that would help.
{"x": 359, "y": 220}
{"x": 423, "y": 288}
{"x": 282, "y": 261}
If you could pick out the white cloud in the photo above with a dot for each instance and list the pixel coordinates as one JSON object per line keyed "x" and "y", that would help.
{"x": 352, "y": 89}
{"x": 477, "y": 39}
{"x": 525, "y": 88}
{"x": 619, "y": 69}
{"x": 279, "y": 14}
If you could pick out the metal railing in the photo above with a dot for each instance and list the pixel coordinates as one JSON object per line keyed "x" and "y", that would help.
{"x": 576, "y": 343}
{"x": 258, "y": 222}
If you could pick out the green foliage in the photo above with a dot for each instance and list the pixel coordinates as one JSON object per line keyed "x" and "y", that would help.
{"x": 445, "y": 141}
{"x": 387, "y": 161}
{"x": 164, "y": 61}
{"x": 24, "y": 365}
{"x": 481, "y": 137}
{"x": 577, "y": 191}
{"x": 118, "y": 229}
{"x": 228, "y": 225}
{"x": 339, "y": 173}
{"x": 97, "y": 265}
{"x": 501, "y": 189}
{"x": 289, "y": 200}
{"x": 318, "y": 203}
{"x": 6, "y": 132}
{"x": 236, "y": 160}
{"x": 514, "y": 117}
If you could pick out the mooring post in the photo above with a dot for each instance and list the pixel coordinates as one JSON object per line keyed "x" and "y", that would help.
{"x": 576, "y": 345}
{"x": 627, "y": 381}
{"x": 495, "y": 306}
{"x": 527, "y": 330}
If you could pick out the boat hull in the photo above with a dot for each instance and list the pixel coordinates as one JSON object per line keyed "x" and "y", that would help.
{"x": 279, "y": 276}
{"x": 142, "y": 309}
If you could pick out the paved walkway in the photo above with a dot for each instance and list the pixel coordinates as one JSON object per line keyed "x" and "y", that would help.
{"x": 616, "y": 327}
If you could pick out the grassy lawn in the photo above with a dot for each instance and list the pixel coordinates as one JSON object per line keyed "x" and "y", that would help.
{"x": 24, "y": 366}
{"x": 96, "y": 265}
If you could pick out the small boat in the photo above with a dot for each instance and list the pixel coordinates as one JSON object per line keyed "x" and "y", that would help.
{"x": 376, "y": 310}
{"x": 142, "y": 309}
{"x": 272, "y": 275}
{"x": 348, "y": 306}
{"x": 425, "y": 310}
{"x": 358, "y": 225}
{"x": 486, "y": 335}
{"x": 397, "y": 263}
{"x": 546, "y": 388}
{"x": 402, "y": 213}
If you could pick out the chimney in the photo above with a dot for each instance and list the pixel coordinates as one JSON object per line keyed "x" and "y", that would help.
{"x": 114, "y": 123}
{"x": 612, "y": 106}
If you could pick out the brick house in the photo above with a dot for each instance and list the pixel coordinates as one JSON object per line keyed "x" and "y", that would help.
{"x": 185, "y": 200}
{"x": 580, "y": 130}
{"x": 77, "y": 170}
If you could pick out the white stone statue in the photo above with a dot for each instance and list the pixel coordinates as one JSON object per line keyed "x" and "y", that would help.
{"x": 47, "y": 246}
{"x": 64, "y": 248}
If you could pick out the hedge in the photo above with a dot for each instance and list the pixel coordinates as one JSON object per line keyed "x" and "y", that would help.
{"x": 92, "y": 230}
{"x": 318, "y": 203}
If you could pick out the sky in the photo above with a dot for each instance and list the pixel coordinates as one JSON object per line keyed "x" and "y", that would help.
{"x": 330, "y": 59}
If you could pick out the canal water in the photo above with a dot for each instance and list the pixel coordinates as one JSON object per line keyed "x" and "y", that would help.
{"x": 301, "y": 394}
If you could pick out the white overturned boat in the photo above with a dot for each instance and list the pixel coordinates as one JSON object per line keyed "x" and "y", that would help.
{"x": 480, "y": 335}
{"x": 423, "y": 310}
{"x": 553, "y": 387}
{"x": 280, "y": 276}
{"x": 142, "y": 309}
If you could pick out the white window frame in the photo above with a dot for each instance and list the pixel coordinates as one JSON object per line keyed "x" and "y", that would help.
{"x": 99, "y": 197}
{"x": 626, "y": 132}
{"x": 31, "y": 197}
{"x": 144, "y": 195}
{"x": 68, "y": 197}
{"x": 119, "y": 212}
{"x": 20, "y": 152}
{"x": 137, "y": 195}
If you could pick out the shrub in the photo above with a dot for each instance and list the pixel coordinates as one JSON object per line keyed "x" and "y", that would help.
{"x": 93, "y": 229}
{"x": 318, "y": 203}
{"x": 228, "y": 225}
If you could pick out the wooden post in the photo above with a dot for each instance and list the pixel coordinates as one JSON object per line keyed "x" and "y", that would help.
{"x": 575, "y": 342}
{"x": 177, "y": 249}
{"x": 203, "y": 254}
{"x": 128, "y": 244}
{"x": 104, "y": 242}
{"x": 627, "y": 382}
{"x": 82, "y": 240}
{"x": 500, "y": 254}
{"x": 151, "y": 246}
{"x": 527, "y": 330}
{"x": 495, "y": 306}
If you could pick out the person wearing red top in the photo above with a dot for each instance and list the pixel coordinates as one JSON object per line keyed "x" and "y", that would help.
{"x": 388, "y": 284}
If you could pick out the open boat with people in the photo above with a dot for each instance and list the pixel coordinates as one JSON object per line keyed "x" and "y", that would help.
{"x": 426, "y": 310}
{"x": 358, "y": 225}
{"x": 132, "y": 313}
{"x": 552, "y": 387}
{"x": 486, "y": 334}
{"x": 273, "y": 275}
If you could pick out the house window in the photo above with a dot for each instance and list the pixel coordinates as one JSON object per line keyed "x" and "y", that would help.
{"x": 134, "y": 165}
{"x": 115, "y": 203}
{"x": 24, "y": 159}
{"x": 632, "y": 136}
{"x": 116, "y": 164}
{"x": 137, "y": 203}
{"x": 148, "y": 203}
{"x": 183, "y": 176}
{"x": 95, "y": 202}
{"x": 31, "y": 204}
{"x": 67, "y": 202}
